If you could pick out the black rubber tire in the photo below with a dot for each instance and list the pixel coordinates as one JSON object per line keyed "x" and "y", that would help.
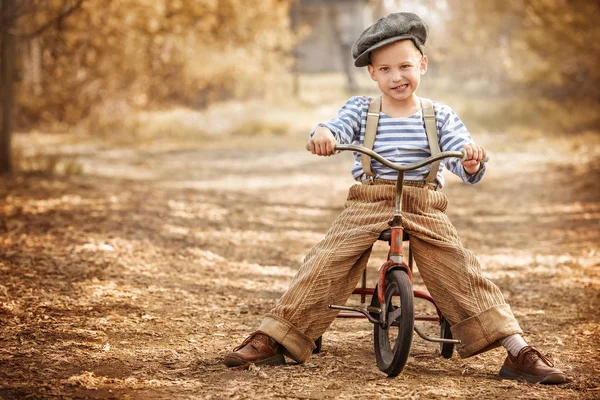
{"x": 446, "y": 349}
{"x": 318, "y": 344}
{"x": 392, "y": 353}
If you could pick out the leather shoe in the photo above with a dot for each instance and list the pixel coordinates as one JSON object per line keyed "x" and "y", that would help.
{"x": 532, "y": 366}
{"x": 257, "y": 348}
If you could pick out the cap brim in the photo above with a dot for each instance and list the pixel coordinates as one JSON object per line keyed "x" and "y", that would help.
{"x": 363, "y": 59}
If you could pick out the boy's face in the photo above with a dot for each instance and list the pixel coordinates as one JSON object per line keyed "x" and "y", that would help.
{"x": 397, "y": 69}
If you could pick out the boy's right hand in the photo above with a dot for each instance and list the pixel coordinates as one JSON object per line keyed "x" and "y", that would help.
{"x": 322, "y": 141}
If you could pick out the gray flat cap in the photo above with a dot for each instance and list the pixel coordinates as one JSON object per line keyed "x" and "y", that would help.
{"x": 386, "y": 30}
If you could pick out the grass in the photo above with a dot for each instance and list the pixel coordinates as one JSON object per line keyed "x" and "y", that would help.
{"x": 519, "y": 116}
{"x": 500, "y": 123}
{"x": 262, "y": 128}
{"x": 54, "y": 164}
{"x": 321, "y": 96}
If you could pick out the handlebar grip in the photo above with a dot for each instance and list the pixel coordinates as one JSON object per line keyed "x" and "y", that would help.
{"x": 307, "y": 147}
{"x": 464, "y": 157}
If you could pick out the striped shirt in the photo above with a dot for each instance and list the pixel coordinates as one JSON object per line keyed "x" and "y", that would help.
{"x": 402, "y": 140}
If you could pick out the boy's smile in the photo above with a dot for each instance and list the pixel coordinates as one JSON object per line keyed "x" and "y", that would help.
{"x": 397, "y": 69}
{"x": 400, "y": 88}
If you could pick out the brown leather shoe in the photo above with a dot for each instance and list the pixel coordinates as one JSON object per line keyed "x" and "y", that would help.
{"x": 533, "y": 367}
{"x": 258, "y": 348}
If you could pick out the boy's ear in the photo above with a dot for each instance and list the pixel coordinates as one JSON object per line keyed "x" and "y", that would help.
{"x": 371, "y": 71}
{"x": 423, "y": 65}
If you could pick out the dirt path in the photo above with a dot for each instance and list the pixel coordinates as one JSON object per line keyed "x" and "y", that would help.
{"x": 133, "y": 280}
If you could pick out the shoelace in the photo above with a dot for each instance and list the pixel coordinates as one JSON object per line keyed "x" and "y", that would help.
{"x": 248, "y": 340}
{"x": 540, "y": 356}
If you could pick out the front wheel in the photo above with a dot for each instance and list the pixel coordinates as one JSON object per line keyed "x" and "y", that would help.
{"x": 392, "y": 344}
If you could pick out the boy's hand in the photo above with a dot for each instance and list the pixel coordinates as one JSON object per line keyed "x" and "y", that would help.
{"x": 322, "y": 141}
{"x": 475, "y": 154}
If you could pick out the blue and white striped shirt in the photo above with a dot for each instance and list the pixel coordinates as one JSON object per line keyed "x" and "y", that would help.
{"x": 402, "y": 140}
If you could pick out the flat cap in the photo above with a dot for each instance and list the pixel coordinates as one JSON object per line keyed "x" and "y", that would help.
{"x": 394, "y": 27}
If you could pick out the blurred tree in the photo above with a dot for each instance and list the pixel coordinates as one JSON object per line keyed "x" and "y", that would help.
{"x": 7, "y": 61}
{"x": 542, "y": 47}
{"x": 331, "y": 27}
{"x": 379, "y": 8}
{"x": 10, "y": 13}
{"x": 146, "y": 52}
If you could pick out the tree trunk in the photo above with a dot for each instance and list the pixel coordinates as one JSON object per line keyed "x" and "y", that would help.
{"x": 295, "y": 70}
{"x": 341, "y": 24}
{"x": 7, "y": 64}
{"x": 32, "y": 66}
{"x": 378, "y": 8}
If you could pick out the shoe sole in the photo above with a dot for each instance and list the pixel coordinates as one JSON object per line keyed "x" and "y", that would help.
{"x": 238, "y": 362}
{"x": 555, "y": 378}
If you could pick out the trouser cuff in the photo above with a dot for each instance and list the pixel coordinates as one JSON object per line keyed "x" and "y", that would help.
{"x": 298, "y": 346}
{"x": 481, "y": 332}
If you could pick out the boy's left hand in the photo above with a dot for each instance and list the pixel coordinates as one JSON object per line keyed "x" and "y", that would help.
{"x": 475, "y": 154}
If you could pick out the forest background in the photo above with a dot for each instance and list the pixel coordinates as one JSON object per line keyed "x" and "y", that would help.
{"x": 93, "y": 64}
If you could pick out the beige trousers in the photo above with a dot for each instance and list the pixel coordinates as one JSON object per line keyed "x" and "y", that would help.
{"x": 472, "y": 304}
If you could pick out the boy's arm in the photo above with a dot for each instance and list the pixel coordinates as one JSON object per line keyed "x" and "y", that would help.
{"x": 455, "y": 136}
{"x": 341, "y": 129}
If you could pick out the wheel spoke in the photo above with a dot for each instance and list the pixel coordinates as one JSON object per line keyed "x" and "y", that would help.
{"x": 394, "y": 315}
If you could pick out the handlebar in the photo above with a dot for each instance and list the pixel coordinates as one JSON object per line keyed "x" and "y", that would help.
{"x": 461, "y": 155}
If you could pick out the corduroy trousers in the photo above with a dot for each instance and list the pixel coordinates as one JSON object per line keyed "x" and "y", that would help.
{"x": 473, "y": 305}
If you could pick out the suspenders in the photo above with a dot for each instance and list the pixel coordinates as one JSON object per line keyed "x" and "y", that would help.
{"x": 370, "y": 132}
{"x": 432, "y": 137}
{"x": 430, "y": 129}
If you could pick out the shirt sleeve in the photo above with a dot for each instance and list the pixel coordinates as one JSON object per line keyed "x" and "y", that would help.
{"x": 346, "y": 125}
{"x": 453, "y": 136}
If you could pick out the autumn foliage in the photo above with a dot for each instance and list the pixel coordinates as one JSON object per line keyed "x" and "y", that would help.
{"x": 549, "y": 48}
{"x": 146, "y": 52}
{"x": 82, "y": 58}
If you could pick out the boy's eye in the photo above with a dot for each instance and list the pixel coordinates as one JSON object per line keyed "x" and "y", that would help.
{"x": 384, "y": 69}
{"x": 405, "y": 66}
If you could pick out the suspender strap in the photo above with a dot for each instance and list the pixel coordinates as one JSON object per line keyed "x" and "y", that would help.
{"x": 370, "y": 132}
{"x": 432, "y": 137}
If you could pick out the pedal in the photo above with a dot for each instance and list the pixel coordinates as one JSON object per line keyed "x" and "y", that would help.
{"x": 372, "y": 309}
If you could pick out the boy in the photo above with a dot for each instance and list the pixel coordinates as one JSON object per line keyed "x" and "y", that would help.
{"x": 393, "y": 51}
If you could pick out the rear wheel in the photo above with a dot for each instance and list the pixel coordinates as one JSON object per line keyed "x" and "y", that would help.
{"x": 446, "y": 349}
{"x": 392, "y": 343}
{"x": 318, "y": 344}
